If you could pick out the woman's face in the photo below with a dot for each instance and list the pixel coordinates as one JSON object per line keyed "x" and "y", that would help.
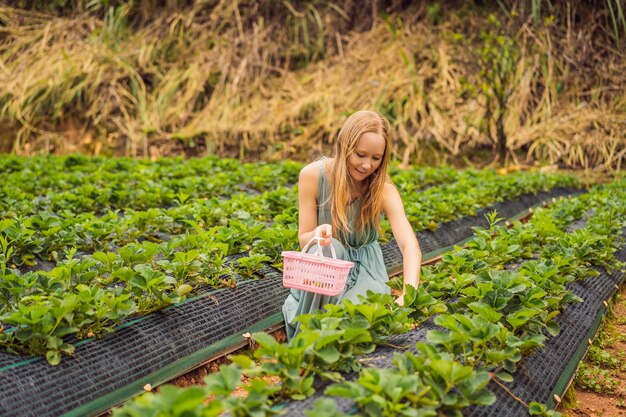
{"x": 367, "y": 156}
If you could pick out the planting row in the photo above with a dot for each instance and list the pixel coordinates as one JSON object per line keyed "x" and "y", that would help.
{"x": 89, "y": 295}
{"x": 78, "y": 184}
{"x": 494, "y": 301}
{"x": 47, "y": 236}
{"x": 441, "y": 204}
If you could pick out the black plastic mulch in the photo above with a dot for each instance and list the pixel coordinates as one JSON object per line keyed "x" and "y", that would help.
{"x": 101, "y": 369}
{"x": 537, "y": 375}
{"x": 137, "y": 349}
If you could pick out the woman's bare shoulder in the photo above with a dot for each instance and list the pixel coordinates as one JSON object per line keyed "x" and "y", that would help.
{"x": 311, "y": 172}
{"x": 390, "y": 189}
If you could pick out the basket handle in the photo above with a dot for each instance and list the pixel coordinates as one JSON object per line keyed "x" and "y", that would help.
{"x": 319, "y": 251}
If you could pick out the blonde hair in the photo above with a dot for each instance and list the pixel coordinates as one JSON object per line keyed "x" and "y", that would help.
{"x": 341, "y": 183}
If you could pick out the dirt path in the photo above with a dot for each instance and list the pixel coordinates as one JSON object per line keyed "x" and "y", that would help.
{"x": 600, "y": 385}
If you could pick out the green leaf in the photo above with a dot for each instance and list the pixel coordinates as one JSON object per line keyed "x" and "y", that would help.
{"x": 343, "y": 389}
{"x": 520, "y": 317}
{"x": 224, "y": 381}
{"x": 396, "y": 283}
{"x": 53, "y": 357}
{"x": 451, "y": 371}
{"x": 475, "y": 381}
{"x": 553, "y": 328}
{"x": 185, "y": 401}
{"x": 447, "y": 321}
{"x": 5, "y": 224}
{"x": 353, "y": 335}
{"x": 245, "y": 362}
{"x": 324, "y": 407}
{"x": 536, "y": 409}
{"x": 438, "y": 337}
{"x": 328, "y": 354}
{"x": 485, "y": 311}
{"x": 183, "y": 289}
{"x": 504, "y": 376}
{"x": 265, "y": 340}
{"x": 485, "y": 397}
{"x": 67, "y": 349}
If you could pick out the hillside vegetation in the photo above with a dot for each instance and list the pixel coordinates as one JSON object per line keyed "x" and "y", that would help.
{"x": 460, "y": 81}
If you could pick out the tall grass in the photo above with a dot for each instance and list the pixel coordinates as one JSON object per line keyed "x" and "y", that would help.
{"x": 617, "y": 20}
{"x": 133, "y": 84}
{"x": 276, "y": 79}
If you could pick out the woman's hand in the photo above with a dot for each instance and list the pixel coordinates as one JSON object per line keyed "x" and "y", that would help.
{"x": 400, "y": 300}
{"x": 325, "y": 232}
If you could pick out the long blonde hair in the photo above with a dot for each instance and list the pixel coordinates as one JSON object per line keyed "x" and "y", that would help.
{"x": 341, "y": 183}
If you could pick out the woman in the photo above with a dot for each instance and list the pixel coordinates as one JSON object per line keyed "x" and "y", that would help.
{"x": 340, "y": 202}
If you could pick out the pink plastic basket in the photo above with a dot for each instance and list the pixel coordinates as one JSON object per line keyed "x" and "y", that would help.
{"x": 315, "y": 273}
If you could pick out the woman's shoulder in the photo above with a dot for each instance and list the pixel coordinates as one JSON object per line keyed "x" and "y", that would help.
{"x": 311, "y": 172}
{"x": 390, "y": 189}
{"x": 389, "y": 185}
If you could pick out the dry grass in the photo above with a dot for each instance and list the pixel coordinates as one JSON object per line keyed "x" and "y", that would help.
{"x": 258, "y": 79}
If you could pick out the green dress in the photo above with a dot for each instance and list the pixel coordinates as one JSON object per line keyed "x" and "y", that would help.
{"x": 368, "y": 273}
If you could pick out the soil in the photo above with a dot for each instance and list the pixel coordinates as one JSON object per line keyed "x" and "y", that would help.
{"x": 196, "y": 377}
{"x": 592, "y": 404}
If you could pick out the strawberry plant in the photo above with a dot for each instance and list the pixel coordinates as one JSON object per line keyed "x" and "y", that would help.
{"x": 184, "y": 265}
{"x": 6, "y": 251}
{"x": 454, "y": 385}
{"x": 537, "y": 409}
{"x": 272, "y": 242}
{"x": 388, "y": 393}
{"x": 476, "y": 340}
{"x": 71, "y": 272}
{"x": 172, "y": 401}
{"x": 14, "y": 286}
{"x": 109, "y": 261}
{"x": 377, "y": 313}
{"x": 339, "y": 344}
{"x": 152, "y": 289}
{"x": 133, "y": 254}
{"x": 39, "y": 325}
{"x": 25, "y": 244}
{"x": 422, "y": 304}
{"x": 257, "y": 402}
{"x": 324, "y": 407}
{"x": 292, "y": 363}
{"x": 249, "y": 265}
{"x": 107, "y": 308}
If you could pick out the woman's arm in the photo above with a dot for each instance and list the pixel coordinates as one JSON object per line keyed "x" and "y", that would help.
{"x": 307, "y": 201}
{"x": 404, "y": 235}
